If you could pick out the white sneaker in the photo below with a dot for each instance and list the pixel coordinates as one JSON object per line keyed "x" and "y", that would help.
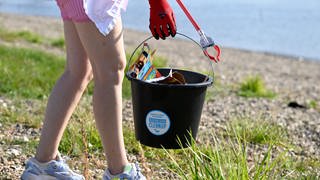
{"x": 130, "y": 172}
{"x": 52, "y": 170}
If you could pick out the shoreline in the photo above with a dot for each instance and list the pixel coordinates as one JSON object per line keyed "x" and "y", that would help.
{"x": 288, "y": 56}
{"x": 58, "y": 20}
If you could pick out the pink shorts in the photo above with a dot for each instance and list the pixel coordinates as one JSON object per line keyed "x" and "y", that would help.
{"x": 72, "y": 10}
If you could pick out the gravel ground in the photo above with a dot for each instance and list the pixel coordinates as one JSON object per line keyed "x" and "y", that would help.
{"x": 292, "y": 79}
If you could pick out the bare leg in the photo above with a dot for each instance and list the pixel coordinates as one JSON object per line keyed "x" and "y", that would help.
{"x": 107, "y": 57}
{"x": 65, "y": 95}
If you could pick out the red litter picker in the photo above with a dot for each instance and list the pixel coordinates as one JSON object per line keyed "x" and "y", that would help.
{"x": 205, "y": 41}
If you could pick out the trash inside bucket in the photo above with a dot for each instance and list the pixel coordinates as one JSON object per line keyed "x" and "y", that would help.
{"x": 164, "y": 113}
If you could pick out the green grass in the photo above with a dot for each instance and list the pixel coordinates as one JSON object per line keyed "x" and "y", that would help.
{"x": 73, "y": 143}
{"x": 82, "y": 125}
{"x": 28, "y": 36}
{"x": 28, "y": 73}
{"x": 59, "y": 42}
{"x": 23, "y": 111}
{"x": 259, "y": 131}
{"x": 313, "y": 104}
{"x": 20, "y": 35}
{"x": 11, "y": 36}
{"x": 254, "y": 87}
{"x": 227, "y": 157}
{"x": 217, "y": 89}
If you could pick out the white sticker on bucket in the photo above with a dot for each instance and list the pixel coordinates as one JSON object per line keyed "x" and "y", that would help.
{"x": 158, "y": 122}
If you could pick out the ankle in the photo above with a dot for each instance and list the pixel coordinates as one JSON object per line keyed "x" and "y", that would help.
{"x": 44, "y": 159}
{"x": 118, "y": 170}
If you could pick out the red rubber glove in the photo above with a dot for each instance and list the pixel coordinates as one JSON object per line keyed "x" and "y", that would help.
{"x": 162, "y": 23}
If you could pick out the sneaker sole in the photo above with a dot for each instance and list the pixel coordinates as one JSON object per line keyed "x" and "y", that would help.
{"x": 37, "y": 177}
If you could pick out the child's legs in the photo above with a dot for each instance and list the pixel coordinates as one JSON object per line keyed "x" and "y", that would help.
{"x": 65, "y": 95}
{"x": 107, "y": 56}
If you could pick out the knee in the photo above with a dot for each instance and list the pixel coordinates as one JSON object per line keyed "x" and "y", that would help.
{"x": 110, "y": 75}
{"x": 81, "y": 74}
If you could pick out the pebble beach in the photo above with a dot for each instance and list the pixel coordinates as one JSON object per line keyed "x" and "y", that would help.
{"x": 294, "y": 80}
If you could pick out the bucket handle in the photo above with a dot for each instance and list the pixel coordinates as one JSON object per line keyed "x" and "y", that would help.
{"x": 181, "y": 34}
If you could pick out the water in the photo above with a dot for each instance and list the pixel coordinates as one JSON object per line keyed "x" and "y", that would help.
{"x": 287, "y": 27}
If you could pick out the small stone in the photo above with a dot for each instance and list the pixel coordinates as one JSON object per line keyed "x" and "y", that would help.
{"x": 12, "y": 108}
{"x": 25, "y": 139}
{"x": 4, "y": 105}
{"x": 14, "y": 152}
{"x": 90, "y": 145}
{"x": 3, "y": 160}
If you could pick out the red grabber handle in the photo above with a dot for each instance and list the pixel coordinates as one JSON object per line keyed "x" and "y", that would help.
{"x": 208, "y": 41}
{"x": 185, "y": 10}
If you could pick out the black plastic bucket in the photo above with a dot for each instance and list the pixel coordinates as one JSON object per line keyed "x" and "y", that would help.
{"x": 166, "y": 115}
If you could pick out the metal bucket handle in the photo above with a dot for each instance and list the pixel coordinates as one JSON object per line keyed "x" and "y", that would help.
{"x": 147, "y": 39}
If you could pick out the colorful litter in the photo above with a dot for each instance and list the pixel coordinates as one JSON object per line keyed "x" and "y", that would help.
{"x": 143, "y": 69}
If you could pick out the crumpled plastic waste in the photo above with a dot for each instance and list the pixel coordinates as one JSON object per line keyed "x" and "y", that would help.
{"x": 172, "y": 78}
